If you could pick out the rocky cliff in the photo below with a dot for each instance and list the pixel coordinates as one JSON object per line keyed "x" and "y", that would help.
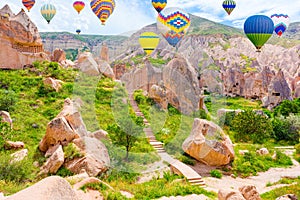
{"x": 20, "y": 40}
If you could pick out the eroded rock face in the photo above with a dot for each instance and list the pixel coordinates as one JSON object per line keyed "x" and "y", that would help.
{"x": 208, "y": 144}
{"x": 105, "y": 69}
{"x": 53, "y": 187}
{"x": 58, "y": 55}
{"x": 104, "y": 53}
{"x": 87, "y": 64}
{"x": 19, "y": 39}
{"x": 250, "y": 192}
{"x": 63, "y": 129}
{"x": 54, "y": 162}
{"x": 95, "y": 160}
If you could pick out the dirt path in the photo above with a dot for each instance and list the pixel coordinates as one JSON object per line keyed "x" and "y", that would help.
{"x": 260, "y": 181}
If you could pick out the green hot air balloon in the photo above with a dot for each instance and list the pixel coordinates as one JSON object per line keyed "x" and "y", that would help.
{"x": 258, "y": 29}
{"x": 48, "y": 11}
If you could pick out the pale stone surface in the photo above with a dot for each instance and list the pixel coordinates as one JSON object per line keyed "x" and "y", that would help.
{"x": 5, "y": 116}
{"x": 100, "y": 135}
{"x": 20, "y": 41}
{"x": 208, "y": 144}
{"x": 50, "y": 188}
{"x": 288, "y": 197}
{"x": 54, "y": 162}
{"x": 87, "y": 64}
{"x": 53, "y": 83}
{"x": 224, "y": 194}
{"x": 262, "y": 151}
{"x": 58, "y": 55}
{"x": 105, "y": 69}
{"x": 19, "y": 155}
{"x": 95, "y": 160}
{"x": 250, "y": 192}
{"x": 14, "y": 145}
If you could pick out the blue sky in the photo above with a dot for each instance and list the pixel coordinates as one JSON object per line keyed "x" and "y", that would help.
{"x": 132, "y": 15}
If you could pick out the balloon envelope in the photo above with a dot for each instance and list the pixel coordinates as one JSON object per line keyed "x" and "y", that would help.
{"x": 48, "y": 11}
{"x": 148, "y": 41}
{"x": 229, "y": 6}
{"x": 78, "y": 31}
{"x": 173, "y": 24}
{"x": 281, "y": 23}
{"x": 78, "y": 6}
{"x": 159, "y": 5}
{"x": 258, "y": 28}
{"x": 103, "y": 9}
{"x": 28, "y": 4}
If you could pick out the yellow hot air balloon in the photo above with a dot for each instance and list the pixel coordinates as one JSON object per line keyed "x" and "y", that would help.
{"x": 148, "y": 41}
{"x": 78, "y": 6}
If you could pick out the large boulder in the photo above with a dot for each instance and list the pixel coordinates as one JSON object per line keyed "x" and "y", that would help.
{"x": 14, "y": 145}
{"x": 55, "y": 161}
{"x": 95, "y": 160}
{"x": 19, "y": 155}
{"x": 105, "y": 69}
{"x": 50, "y": 188}
{"x": 64, "y": 128}
{"x": 87, "y": 64}
{"x": 250, "y": 192}
{"x": 208, "y": 144}
{"x": 58, "y": 55}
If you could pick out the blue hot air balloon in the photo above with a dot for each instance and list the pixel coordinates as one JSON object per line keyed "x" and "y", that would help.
{"x": 258, "y": 29}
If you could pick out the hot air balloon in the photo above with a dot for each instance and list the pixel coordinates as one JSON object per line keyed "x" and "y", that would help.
{"x": 173, "y": 24}
{"x": 103, "y": 9}
{"x": 229, "y": 6}
{"x": 28, "y": 4}
{"x": 78, "y": 6}
{"x": 259, "y": 29}
{"x": 78, "y": 31}
{"x": 48, "y": 11}
{"x": 159, "y": 5}
{"x": 148, "y": 41}
{"x": 281, "y": 23}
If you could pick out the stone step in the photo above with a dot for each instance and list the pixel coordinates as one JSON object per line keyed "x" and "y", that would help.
{"x": 197, "y": 182}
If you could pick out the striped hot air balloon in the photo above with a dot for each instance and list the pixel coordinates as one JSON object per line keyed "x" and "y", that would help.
{"x": 173, "y": 24}
{"x": 148, "y": 41}
{"x": 159, "y": 5}
{"x": 281, "y": 23}
{"x": 28, "y": 4}
{"x": 258, "y": 28}
{"x": 48, "y": 11}
{"x": 228, "y": 6}
{"x": 103, "y": 9}
{"x": 78, "y": 6}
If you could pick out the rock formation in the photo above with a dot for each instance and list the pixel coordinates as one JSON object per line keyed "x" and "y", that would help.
{"x": 58, "y": 55}
{"x": 20, "y": 40}
{"x": 208, "y": 144}
{"x": 87, "y": 64}
{"x": 53, "y": 83}
{"x": 68, "y": 128}
{"x": 5, "y": 117}
{"x": 53, "y": 187}
{"x": 104, "y": 53}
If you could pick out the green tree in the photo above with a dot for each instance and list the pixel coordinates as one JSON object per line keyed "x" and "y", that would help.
{"x": 249, "y": 126}
{"x": 286, "y": 107}
{"x": 126, "y": 132}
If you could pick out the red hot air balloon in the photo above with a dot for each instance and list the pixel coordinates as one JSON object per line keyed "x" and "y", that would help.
{"x": 78, "y": 6}
{"x": 28, "y": 4}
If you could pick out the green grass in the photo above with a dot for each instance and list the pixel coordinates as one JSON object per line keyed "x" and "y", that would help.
{"x": 168, "y": 185}
{"x": 291, "y": 189}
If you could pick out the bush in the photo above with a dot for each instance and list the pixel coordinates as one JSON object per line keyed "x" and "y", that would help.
{"x": 226, "y": 119}
{"x": 297, "y": 147}
{"x": 8, "y": 99}
{"x": 216, "y": 173}
{"x": 5, "y": 133}
{"x": 286, "y": 129}
{"x": 17, "y": 171}
{"x": 71, "y": 152}
{"x": 187, "y": 160}
{"x": 249, "y": 126}
{"x": 287, "y": 107}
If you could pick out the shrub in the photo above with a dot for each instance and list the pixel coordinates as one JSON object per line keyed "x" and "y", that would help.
{"x": 297, "y": 147}
{"x": 8, "y": 99}
{"x": 17, "y": 171}
{"x": 187, "y": 160}
{"x": 226, "y": 118}
{"x": 216, "y": 173}
{"x": 5, "y": 133}
{"x": 72, "y": 152}
{"x": 64, "y": 172}
{"x": 286, "y": 129}
{"x": 249, "y": 126}
{"x": 287, "y": 107}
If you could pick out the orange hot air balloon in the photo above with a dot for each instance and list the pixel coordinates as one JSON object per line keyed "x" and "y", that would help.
{"x": 78, "y": 6}
{"x": 28, "y": 4}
